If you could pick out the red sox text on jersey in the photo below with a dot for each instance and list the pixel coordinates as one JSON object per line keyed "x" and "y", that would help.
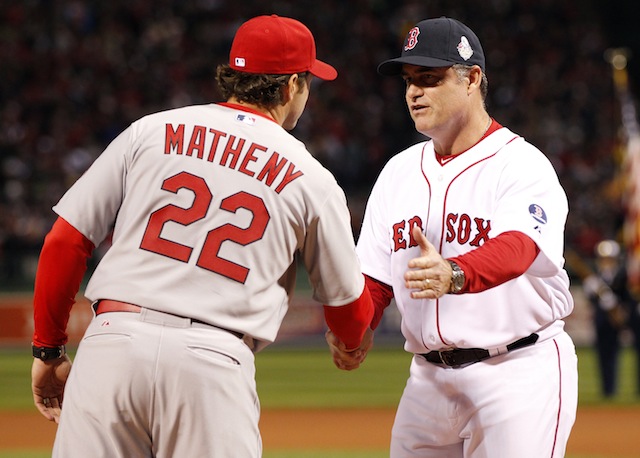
{"x": 232, "y": 150}
{"x": 461, "y": 228}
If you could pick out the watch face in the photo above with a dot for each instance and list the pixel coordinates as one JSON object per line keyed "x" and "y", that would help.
{"x": 457, "y": 278}
{"x": 458, "y": 281}
{"x": 45, "y": 353}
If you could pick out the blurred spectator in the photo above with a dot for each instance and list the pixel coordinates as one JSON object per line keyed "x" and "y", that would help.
{"x": 614, "y": 311}
{"x": 75, "y": 72}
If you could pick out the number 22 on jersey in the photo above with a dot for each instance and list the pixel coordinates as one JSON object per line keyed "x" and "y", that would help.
{"x": 208, "y": 258}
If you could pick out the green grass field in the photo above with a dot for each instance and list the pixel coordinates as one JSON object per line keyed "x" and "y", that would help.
{"x": 294, "y": 378}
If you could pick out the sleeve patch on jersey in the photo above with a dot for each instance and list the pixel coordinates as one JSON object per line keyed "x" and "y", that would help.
{"x": 538, "y": 213}
{"x": 246, "y": 119}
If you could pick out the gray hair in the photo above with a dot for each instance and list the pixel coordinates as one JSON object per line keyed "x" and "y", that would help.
{"x": 463, "y": 72}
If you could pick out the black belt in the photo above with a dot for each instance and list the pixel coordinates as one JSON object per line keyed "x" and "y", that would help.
{"x": 460, "y": 356}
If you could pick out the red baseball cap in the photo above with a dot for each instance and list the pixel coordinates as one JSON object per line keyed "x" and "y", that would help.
{"x": 275, "y": 45}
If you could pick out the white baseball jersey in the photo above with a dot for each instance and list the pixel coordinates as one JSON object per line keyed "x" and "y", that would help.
{"x": 208, "y": 205}
{"x": 501, "y": 184}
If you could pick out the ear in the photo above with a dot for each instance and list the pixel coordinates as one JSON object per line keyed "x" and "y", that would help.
{"x": 290, "y": 89}
{"x": 475, "y": 78}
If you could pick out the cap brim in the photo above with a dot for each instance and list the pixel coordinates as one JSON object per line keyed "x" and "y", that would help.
{"x": 323, "y": 71}
{"x": 394, "y": 66}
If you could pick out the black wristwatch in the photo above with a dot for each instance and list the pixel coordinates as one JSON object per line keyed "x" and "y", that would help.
{"x": 457, "y": 278}
{"x": 48, "y": 353}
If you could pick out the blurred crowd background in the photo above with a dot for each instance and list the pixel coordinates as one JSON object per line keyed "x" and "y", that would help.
{"x": 74, "y": 73}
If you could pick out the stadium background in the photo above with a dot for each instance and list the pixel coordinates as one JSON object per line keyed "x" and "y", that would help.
{"x": 75, "y": 73}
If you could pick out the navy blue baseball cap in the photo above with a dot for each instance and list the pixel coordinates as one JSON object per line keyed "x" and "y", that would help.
{"x": 439, "y": 42}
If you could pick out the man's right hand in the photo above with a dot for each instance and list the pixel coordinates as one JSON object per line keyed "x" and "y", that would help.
{"x": 349, "y": 359}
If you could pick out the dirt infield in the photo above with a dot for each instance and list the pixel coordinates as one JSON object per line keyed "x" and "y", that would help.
{"x": 605, "y": 431}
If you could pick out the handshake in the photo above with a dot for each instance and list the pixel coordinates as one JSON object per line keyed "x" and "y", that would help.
{"x": 349, "y": 359}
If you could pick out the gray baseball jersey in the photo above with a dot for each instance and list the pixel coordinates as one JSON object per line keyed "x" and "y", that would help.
{"x": 208, "y": 205}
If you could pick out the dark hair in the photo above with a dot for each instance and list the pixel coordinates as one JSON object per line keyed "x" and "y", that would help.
{"x": 256, "y": 89}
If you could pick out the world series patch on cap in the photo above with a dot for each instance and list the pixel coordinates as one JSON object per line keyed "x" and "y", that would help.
{"x": 439, "y": 42}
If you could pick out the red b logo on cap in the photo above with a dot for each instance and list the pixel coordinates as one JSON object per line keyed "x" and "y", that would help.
{"x": 412, "y": 39}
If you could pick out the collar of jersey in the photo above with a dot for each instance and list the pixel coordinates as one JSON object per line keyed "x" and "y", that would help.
{"x": 442, "y": 160}
{"x": 236, "y": 106}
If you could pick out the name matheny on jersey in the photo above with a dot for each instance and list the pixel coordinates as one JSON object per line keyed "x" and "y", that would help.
{"x": 235, "y": 153}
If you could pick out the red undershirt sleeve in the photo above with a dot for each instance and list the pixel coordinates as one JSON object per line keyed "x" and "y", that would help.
{"x": 349, "y": 322}
{"x": 61, "y": 267}
{"x": 381, "y": 294}
{"x": 499, "y": 260}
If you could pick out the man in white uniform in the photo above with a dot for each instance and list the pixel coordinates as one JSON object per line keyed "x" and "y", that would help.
{"x": 465, "y": 231}
{"x": 208, "y": 206}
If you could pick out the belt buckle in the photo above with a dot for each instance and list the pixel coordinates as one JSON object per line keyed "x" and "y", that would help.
{"x": 448, "y": 358}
